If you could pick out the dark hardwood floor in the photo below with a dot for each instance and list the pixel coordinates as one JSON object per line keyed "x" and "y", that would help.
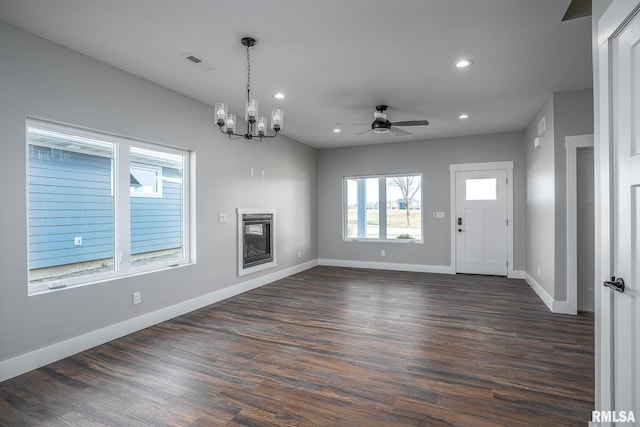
{"x": 331, "y": 347}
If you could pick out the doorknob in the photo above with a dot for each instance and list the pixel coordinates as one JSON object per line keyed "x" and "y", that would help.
{"x": 460, "y": 230}
{"x": 615, "y": 284}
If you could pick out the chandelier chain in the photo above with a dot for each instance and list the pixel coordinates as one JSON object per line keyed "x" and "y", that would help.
{"x": 248, "y": 74}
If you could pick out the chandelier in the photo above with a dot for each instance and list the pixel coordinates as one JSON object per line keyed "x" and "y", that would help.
{"x": 256, "y": 126}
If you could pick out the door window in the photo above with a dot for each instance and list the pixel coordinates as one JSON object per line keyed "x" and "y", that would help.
{"x": 481, "y": 189}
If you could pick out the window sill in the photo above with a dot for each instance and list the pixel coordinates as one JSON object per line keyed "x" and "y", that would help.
{"x": 63, "y": 285}
{"x": 398, "y": 241}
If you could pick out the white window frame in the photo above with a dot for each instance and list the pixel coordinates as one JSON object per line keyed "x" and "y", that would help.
{"x": 122, "y": 208}
{"x": 382, "y": 213}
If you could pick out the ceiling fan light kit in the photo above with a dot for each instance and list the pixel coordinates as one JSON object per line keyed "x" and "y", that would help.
{"x": 380, "y": 123}
{"x": 256, "y": 125}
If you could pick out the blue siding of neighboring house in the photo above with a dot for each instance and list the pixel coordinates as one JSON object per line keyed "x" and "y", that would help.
{"x": 70, "y": 196}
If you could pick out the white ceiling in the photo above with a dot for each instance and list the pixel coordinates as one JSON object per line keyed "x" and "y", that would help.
{"x": 336, "y": 59}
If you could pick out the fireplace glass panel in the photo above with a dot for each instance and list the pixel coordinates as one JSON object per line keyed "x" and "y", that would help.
{"x": 257, "y": 239}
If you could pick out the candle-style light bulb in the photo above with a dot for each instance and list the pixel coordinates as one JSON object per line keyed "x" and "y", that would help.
{"x": 231, "y": 124}
{"x": 221, "y": 114}
{"x": 262, "y": 126}
{"x": 276, "y": 119}
{"x": 251, "y": 111}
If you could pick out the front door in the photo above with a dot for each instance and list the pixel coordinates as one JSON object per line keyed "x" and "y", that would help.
{"x": 481, "y": 222}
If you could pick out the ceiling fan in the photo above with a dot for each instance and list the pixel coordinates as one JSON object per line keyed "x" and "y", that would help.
{"x": 382, "y": 125}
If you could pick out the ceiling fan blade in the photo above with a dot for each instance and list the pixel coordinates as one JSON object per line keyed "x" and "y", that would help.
{"x": 399, "y": 132}
{"x": 411, "y": 123}
{"x": 353, "y": 124}
{"x": 577, "y": 9}
{"x": 361, "y": 133}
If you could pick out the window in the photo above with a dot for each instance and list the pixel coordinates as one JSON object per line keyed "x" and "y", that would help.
{"x": 363, "y": 220}
{"x": 384, "y": 207}
{"x": 102, "y": 207}
{"x": 481, "y": 189}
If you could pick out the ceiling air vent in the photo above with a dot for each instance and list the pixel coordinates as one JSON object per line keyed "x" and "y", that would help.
{"x": 207, "y": 66}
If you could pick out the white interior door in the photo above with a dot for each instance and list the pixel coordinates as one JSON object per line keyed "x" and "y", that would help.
{"x": 481, "y": 222}
{"x": 625, "y": 156}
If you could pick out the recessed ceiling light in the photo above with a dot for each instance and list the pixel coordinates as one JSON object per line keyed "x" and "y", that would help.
{"x": 463, "y": 116}
{"x": 464, "y": 63}
{"x": 336, "y": 130}
{"x": 279, "y": 95}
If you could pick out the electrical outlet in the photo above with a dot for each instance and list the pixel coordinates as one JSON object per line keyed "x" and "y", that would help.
{"x": 137, "y": 299}
{"x": 77, "y": 241}
{"x": 383, "y": 253}
{"x": 222, "y": 217}
{"x": 299, "y": 254}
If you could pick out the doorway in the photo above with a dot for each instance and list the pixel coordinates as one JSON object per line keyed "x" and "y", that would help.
{"x": 585, "y": 224}
{"x": 482, "y": 218}
{"x": 580, "y": 224}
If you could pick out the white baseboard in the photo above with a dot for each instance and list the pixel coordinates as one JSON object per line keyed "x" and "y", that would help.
{"x": 421, "y": 268}
{"x": 540, "y": 291}
{"x": 560, "y": 307}
{"x": 517, "y": 274}
{"x": 43, "y": 356}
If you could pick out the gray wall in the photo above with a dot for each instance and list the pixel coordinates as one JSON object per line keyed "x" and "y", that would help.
{"x": 431, "y": 158}
{"x": 573, "y": 113}
{"x": 541, "y": 200}
{"x": 566, "y": 114}
{"x": 43, "y": 80}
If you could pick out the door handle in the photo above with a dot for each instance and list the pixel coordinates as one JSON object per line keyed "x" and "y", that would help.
{"x": 617, "y": 284}
{"x": 460, "y": 230}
